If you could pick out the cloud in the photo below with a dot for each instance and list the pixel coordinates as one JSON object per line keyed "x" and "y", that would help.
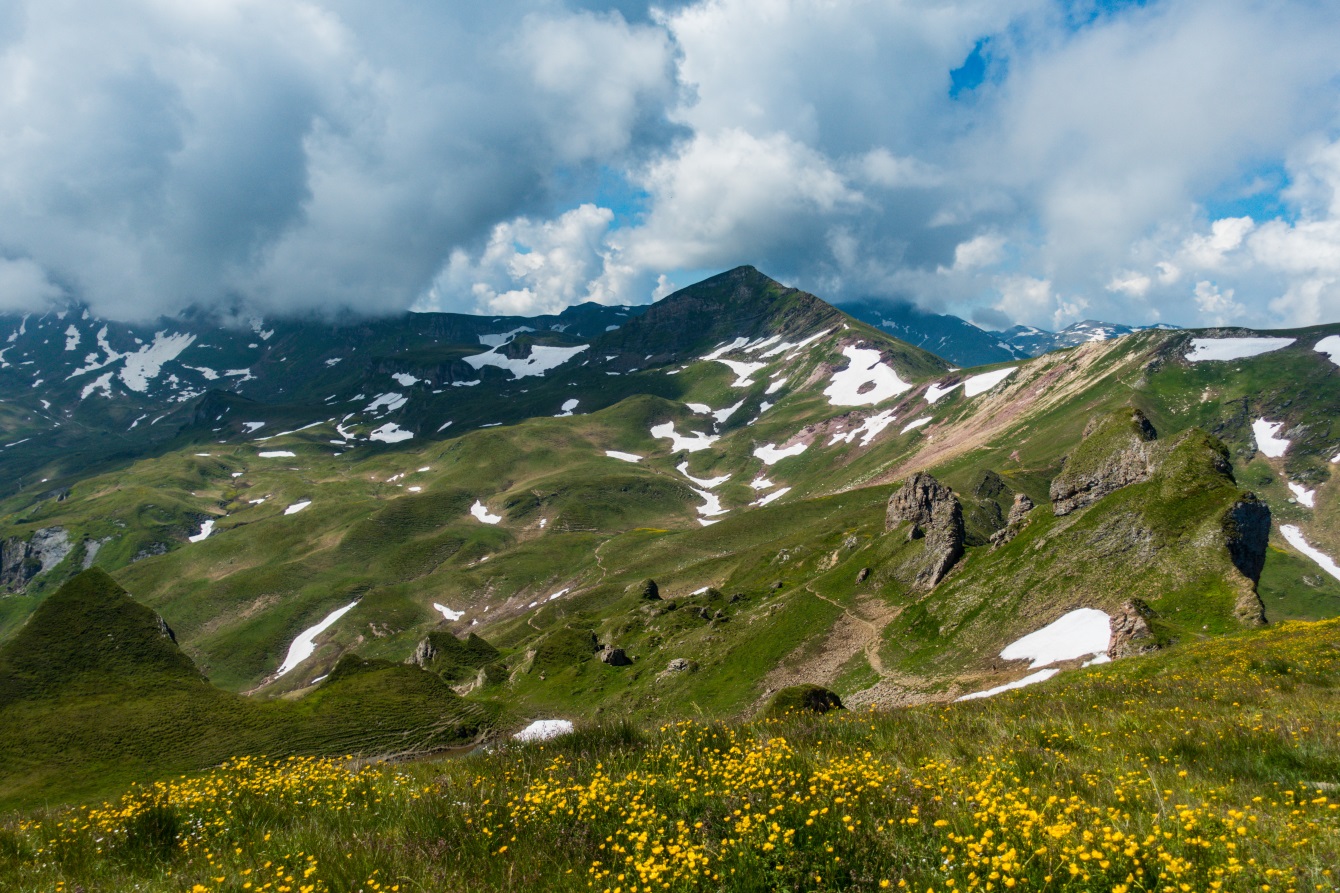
{"x": 527, "y": 268}
{"x": 24, "y": 286}
{"x": 309, "y": 155}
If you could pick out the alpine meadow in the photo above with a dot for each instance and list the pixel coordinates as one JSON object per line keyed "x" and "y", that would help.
{"x": 669, "y": 447}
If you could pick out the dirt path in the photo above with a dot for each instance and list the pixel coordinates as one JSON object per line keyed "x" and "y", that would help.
{"x": 852, "y": 634}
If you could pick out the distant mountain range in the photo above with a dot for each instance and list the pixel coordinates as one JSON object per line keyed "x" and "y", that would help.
{"x": 964, "y": 344}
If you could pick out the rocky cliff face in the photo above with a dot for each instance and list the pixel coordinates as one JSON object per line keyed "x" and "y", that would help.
{"x": 21, "y": 561}
{"x": 935, "y": 514}
{"x": 1118, "y": 450}
{"x": 1131, "y": 634}
{"x": 1246, "y": 533}
{"x": 1018, "y": 515}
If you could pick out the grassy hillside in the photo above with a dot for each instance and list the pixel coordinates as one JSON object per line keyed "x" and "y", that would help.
{"x": 96, "y": 694}
{"x": 1213, "y": 767}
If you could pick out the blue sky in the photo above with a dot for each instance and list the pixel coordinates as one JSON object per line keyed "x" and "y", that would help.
{"x": 1032, "y": 161}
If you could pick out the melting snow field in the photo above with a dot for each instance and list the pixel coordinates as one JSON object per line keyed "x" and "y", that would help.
{"x": 1294, "y": 537}
{"x": 391, "y": 433}
{"x": 450, "y": 615}
{"x": 915, "y": 423}
{"x": 980, "y": 384}
{"x": 297, "y": 507}
{"x": 205, "y": 530}
{"x": 1080, "y": 633}
{"x": 277, "y": 454}
{"x": 542, "y": 358}
{"x": 771, "y": 455}
{"x": 1330, "y": 345}
{"x": 708, "y": 483}
{"x": 742, "y": 371}
{"x": 482, "y": 513}
{"x": 305, "y": 644}
{"x": 867, "y": 430}
{"x": 626, "y": 457}
{"x": 543, "y": 730}
{"x": 1266, "y": 441}
{"x": 866, "y": 381}
{"x": 777, "y": 494}
{"x": 761, "y": 483}
{"x": 711, "y": 506}
{"x": 389, "y": 401}
{"x": 568, "y": 406}
{"x": 935, "y": 392}
{"x": 1305, "y": 496}
{"x": 405, "y": 380}
{"x": 698, "y": 440}
{"x": 1205, "y": 349}
{"x": 1039, "y": 676}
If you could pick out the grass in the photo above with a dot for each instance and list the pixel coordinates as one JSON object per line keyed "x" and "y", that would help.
{"x": 1211, "y": 767}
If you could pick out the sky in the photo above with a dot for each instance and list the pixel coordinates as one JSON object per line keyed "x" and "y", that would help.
{"x": 1009, "y": 161}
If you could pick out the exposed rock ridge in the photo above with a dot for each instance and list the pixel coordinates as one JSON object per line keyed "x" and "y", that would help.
{"x": 1118, "y": 450}
{"x": 936, "y": 514}
{"x": 1131, "y": 633}
{"x": 1246, "y": 533}
{"x": 21, "y": 561}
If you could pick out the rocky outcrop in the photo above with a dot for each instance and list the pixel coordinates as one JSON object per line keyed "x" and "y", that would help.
{"x": 615, "y": 657}
{"x": 1247, "y": 531}
{"x": 648, "y": 590}
{"x": 1118, "y": 450}
{"x": 21, "y": 561}
{"x": 935, "y": 513}
{"x": 424, "y": 654}
{"x": 1015, "y": 522}
{"x": 1131, "y": 633}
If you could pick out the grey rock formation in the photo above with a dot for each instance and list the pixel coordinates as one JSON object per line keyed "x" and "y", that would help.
{"x": 615, "y": 657}
{"x": 21, "y": 561}
{"x": 423, "y": 654}
{"x": 681, "y": 665}
{"x": 1018, "y": 515}
{"x": 1118, "y": 450}
{"x": 934, "y": 510}
{"x": 1131, "y": 634}
{"x": 1246, "y": 533}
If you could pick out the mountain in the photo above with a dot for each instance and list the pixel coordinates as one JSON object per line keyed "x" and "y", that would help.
{"x": 964, "y": 344}
{"x": 957, "y": 340}
{"x": 686, "y": 511}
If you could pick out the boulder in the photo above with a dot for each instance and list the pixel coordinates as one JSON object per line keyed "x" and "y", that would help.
{"x": 1131, "y": 633}
{"x": 935, "y": 513}
{"x": 615, "y": 657}
{"x": 649, "y": 591}
{"x": 681, "y": 665}
{"x": 803, "y": 699}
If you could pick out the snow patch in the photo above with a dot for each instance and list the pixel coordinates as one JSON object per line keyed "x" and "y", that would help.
{"x": 500, "y": 339}
{"x": 1305, "y": 496}
{"x": 935, "y": 392}
{"x": 867, "y": 430}
{"x": 480, "y": 511}
{"x": 297, "y": 507}
{"x": 771, "y": 455}
{"x": 568, "y": 406}
{"x": 980, "y": 384}
{"x": 543, "y": 729}
{"x": 776, "y": 385}
{"x": 450, "y": 615}
{"x": 540, "y": 361}
{"x": 206, "y": 529}
{"x": 1330, "y": 345}
{"x": 1294, "y": 537}
{"x": 1039, "y": 676}
{"x": 277, "y": 454}
{"x": 389, "y": 401}
{"x": 776, "y": 494}
{"x": 697, "y": 440}
{"x": 71, "y": 337}
{"x": 708, "y": 484}
{"x": 761, "y": 483}
{"x": 405, "y": 380}
{"x": 867, "y": 380}
{"x": 1082, "y": 632}
{"x": 101, "y": 383}
{"x": 1205, "y": 349}
{"x": 626, "y": 457}
{"x": 1266, "y": 440}
{"x": 915, "y": 423}
{"x": 711, "y": 506}
{"x": 143, "y": 366}
{"x": 742, "y": 371}
{"x": 252, "y": 427}
{"x": 391, "y": 433}
{"x": 303, "y": 646}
